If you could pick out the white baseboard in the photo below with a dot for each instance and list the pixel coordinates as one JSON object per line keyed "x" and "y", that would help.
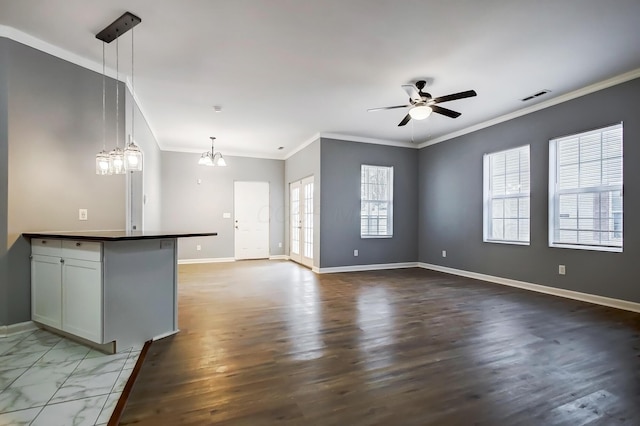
{"x": 206, "y": 260}
{"x": 569, "y": 294}
{"x": 224, "y": 259}
{"x": 279, "y": 257}
{"x": 21, "y": 327}
{"x": 360, "y": 268}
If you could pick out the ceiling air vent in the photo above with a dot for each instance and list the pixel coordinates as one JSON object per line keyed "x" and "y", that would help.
{"x": 535, "y": 95}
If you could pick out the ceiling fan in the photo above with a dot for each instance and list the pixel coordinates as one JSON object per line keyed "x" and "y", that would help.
{"x": 422, "y": 104}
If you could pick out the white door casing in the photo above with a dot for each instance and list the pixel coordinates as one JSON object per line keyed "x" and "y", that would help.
{"x": 251, "y": 222}
{"x": 301, "y": 221}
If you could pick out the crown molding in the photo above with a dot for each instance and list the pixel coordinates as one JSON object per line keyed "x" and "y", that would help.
{"x": 302, "y": 146}
{"x": 48, "y": 48}
{"x": 361, "y": 139}
{"x": 225, "y": 152}
{"x": 610, "y": 82}
{"x": 43, "y": 46}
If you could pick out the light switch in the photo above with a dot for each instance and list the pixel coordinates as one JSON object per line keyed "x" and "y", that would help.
{"x": 83, "y": 214}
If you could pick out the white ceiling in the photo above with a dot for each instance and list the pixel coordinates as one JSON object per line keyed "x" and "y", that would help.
{"x": 286, "y": 70}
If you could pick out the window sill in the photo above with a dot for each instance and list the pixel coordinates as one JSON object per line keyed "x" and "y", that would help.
{"x": 367, "y": 237}
{"x": 590, "y": 248}
{"x": 515, "y": 243}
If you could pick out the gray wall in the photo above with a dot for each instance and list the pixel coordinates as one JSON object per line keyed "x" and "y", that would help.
{"x": 340, "y": 200}
{"x": 189, "y": 206}
{"x": 151, "y": 205}
{"x": 4, "y": 302}
{"x": 54, "y": 132}
{"x": 450, "y": 211}
{"x": 302, "y": 164}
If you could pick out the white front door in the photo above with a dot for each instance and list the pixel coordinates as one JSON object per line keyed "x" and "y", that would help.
{"x": 251, "y": 210}
{"x": 301, "y": 221}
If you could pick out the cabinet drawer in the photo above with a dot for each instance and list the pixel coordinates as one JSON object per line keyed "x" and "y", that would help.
{"x": 46, "y": 247}
{"x": 82, "y": 250}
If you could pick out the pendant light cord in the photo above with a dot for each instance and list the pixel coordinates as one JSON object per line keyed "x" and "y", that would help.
{"x": 117, "y": 93}
{"x": 133, "y": 89}
{"x": 104, "y": 117}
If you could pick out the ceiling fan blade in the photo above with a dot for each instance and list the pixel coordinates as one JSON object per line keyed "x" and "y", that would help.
{"x": 412, "y": 91}
{"x": 455, "y": 96}
{"x": 391, "y": 107}
{"x": 405, "y": 120}
{"x": 445, "y": 111}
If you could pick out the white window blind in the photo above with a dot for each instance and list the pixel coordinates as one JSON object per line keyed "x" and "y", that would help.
{"x": 585, "y": 193}
{"x": 507, "y": 186}
{"x": 376, "y": 201}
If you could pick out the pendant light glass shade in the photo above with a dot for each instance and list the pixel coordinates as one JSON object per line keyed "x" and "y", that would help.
{"x": 102, "y": 163}
{"x": 116, "y": 161}
{"x": 132, "y": 157}
{"x": 218, "y": 160}
{"x": 205, "y": 159}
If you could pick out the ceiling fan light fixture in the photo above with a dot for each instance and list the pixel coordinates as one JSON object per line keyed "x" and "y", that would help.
{"x": 420, "y": 112}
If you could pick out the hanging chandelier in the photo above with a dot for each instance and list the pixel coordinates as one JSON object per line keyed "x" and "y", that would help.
{"x": 212, "y": 158}
{"x": 118, "y": 161}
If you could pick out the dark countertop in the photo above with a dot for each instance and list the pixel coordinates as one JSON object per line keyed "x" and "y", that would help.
{"x": 115, "y": 235}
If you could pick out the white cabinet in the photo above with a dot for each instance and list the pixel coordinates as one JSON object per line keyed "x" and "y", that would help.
{"x": 82, "y": 298}
{"x": 46, "y": 290}
{"x": 67, "y": 286}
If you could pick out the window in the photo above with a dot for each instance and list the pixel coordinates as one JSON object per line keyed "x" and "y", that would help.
{"x": 585, "y": 190}
{"x": 376, "y": 201}
{"x": 506, "y": 196}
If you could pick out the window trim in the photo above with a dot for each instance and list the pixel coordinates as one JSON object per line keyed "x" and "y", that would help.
{"x": 487, "y": 198}
{"x": 389, "y": 202}
{"x": 554, "y": 193}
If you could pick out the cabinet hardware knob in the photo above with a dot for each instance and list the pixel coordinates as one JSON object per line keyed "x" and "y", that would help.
{"x": 78, "y": 244}
{"x": 44, "y": 241}
{"x": 61, "y": 260}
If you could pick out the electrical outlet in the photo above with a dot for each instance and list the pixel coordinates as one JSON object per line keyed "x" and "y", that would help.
{"x": 226, "y": 215}
{"x": 355, "y": 253}
{"x": 83, "y": 214}
{"x": 444, "y": 253}
{"x": 562, "y": 270}
{"x": 198, "y": 247}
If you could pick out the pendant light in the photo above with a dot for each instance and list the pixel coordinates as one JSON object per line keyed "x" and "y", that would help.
{"x": 212, "y": 158}
{"x": 114, "y": 161}
{"x": 102, "y": 158}
{"x": 132, "y": 153}
{"x": 116, "y": 156}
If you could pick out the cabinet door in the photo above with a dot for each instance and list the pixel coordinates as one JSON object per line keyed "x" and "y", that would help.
{"x": 82, "y": 299}
{"x": 46, "y": 290}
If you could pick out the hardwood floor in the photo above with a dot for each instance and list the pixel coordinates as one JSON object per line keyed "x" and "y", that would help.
{"x": 269, "y": 342}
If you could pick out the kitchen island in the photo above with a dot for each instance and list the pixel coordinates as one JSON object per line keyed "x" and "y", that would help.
{"x": 117, "y": 289}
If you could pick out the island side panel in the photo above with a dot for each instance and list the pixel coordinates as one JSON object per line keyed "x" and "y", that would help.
{"x": 139, "y": 290}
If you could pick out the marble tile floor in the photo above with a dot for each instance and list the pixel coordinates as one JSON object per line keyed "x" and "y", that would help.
{"x": 48, "y": 380}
